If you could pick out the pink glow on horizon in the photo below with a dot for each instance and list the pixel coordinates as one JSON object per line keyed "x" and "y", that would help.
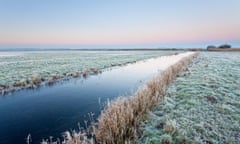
{"x": 131, "y": 36}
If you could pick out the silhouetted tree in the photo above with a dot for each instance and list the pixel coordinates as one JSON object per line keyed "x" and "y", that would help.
{"x": 211, "y": 47}
{"x": 225, "y": 46}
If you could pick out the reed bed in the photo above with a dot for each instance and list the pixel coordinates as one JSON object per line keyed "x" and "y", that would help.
{"x": 119, "y": 122}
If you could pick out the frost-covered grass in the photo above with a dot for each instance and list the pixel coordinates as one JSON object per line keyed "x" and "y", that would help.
{"x": 19, "y": 69}
{"x": 202, "y": 105}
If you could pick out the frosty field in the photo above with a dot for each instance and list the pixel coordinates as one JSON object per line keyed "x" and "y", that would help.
{"x": 201, "y": 106}
{"x": 19, "y": 69}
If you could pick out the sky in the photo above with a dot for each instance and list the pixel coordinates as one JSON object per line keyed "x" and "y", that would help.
{"x": 118, "y": 23}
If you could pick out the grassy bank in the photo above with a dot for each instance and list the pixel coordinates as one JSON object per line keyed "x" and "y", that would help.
{"x": 33, "y": 68}
{"x": 202, "y": 105}
{"x": 119, "y": 122}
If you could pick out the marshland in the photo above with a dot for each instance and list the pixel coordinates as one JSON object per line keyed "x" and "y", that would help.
{"x": 147, "y": 97}
{"x": 119, "y": 72}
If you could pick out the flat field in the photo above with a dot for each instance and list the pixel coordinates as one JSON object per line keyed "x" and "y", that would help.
{"x": 201, "y": 106}
{"x": 26, "y": 68}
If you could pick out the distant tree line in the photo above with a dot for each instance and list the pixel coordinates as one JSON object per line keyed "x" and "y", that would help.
{"x": 223, "y": 46}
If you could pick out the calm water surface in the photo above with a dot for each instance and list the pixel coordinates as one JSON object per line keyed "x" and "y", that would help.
{"x": 49, "y": 111}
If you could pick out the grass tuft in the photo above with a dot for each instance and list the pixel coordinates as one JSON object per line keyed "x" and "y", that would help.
{"x": 36, "y": 80}
{"x": 85, "y": 73}
{"x": 166, "y": 139}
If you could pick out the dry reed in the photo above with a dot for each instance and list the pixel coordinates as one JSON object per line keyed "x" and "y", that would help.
{"x": 36, "y": 80}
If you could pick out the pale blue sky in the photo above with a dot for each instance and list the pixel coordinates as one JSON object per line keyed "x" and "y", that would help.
{"x": 116, "y": 24}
